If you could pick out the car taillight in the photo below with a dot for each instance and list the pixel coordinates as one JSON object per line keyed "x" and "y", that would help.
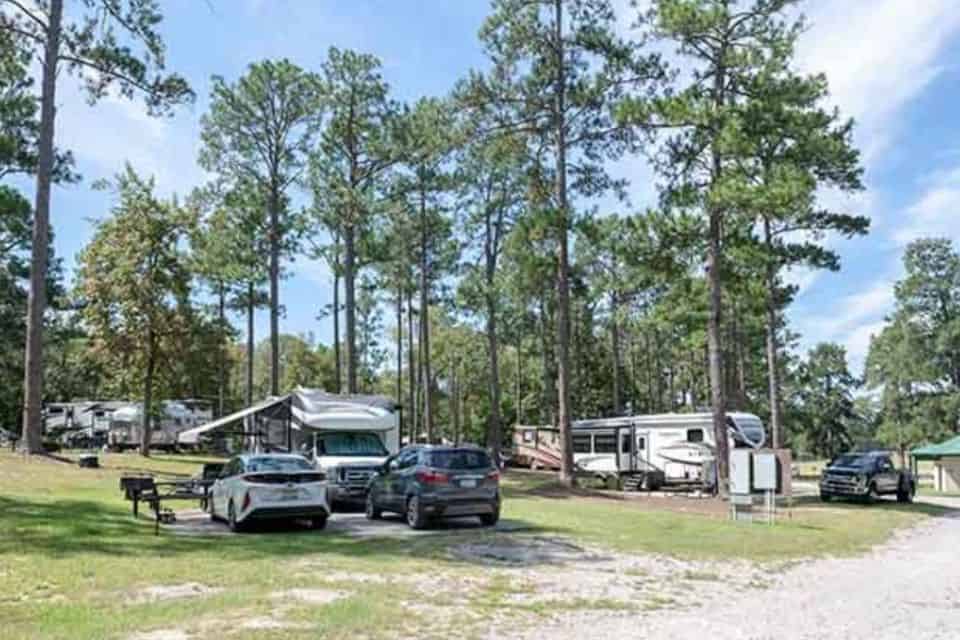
{"x": 432, "y": 477}
{"x": 246, "y": 501}
{"x": 494, "y": 475}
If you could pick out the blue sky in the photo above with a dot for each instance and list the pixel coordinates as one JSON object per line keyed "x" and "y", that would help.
{"x": 891, "y": 66}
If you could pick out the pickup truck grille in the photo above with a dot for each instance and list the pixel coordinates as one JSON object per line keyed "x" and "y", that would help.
{"x": 839, "y": 483}
{"x": 356, "y": 476}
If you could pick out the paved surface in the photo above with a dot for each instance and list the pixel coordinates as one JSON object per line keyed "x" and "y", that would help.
{"x": 908, "y": 588}
{"x": 197, "y": 522}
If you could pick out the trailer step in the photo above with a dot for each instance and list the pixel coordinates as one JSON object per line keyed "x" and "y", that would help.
{"x": 633, "y": 482}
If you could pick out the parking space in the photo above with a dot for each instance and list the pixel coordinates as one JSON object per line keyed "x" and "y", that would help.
{"x": 197, "y": 522}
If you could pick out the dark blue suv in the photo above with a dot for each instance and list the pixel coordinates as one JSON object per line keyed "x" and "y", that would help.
{"x": 424, "y": 482}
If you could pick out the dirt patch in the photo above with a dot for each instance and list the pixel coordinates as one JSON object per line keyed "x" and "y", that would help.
{"x": 268, "y": 623}
{"x": 310, "y": 596}
{"x": 160, "y": 592}
{"x": 161, "y": 634}
{"x": 523, "y": 551}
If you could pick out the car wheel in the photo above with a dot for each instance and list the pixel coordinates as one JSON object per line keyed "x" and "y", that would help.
{"x": 905, "y": 493}
{"x": 235, "y": 526}
{"x": 416, "y": 518}
{"x": 213, "y": 514}
{"x": 371, "y": 510}
{"x": 490, "y": 519}
{"x": 319, "y": 522}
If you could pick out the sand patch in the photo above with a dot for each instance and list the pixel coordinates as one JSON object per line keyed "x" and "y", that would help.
{"x": 161, "y": 634}
{"x": 538, "y": 550}
{"x": 161, "y": 592}
{"x": 310, "y": 596}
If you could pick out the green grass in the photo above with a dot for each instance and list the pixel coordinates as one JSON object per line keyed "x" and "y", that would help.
{"x": 72, "y": 559}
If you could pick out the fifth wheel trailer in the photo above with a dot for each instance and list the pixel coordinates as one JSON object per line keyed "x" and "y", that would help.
{"x": 642, "y": 451}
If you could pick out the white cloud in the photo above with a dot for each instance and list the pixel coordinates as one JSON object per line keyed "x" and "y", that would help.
{"x": 877, "y": 56}
{"x": 802, "y": 278}
{"x": 857, "y": 343}
{"x": 857, "y": 308}
{"x": 850, "y": 322}
{"x": 116, "y": 130}
{"x": 936, "y": 212}
{"x": 316, "y": 271}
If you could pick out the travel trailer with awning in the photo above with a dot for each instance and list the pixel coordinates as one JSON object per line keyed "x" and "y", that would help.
{"x": 642, "y": 451}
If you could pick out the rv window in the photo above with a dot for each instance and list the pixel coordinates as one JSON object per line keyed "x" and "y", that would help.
{"x": 694, "y": 435}
{"x": 604, "y": 443}
{"x": 641, "y": 443}
{"x": 581, "y": 444}
{"x": 625, "y": 443}
{"x": 528, "y": 436}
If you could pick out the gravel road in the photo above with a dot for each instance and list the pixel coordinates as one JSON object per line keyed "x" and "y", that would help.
{"x": 907, "y": 588}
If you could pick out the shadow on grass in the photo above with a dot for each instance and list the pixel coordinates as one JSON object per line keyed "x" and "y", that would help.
{"x": 72, "y": 527}
{"x": 933, "y": 510}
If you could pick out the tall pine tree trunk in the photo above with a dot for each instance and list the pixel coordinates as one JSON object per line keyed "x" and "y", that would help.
{"x": 715, "y": 289}
{"x": 222, "y": 352}
{"x": 615, "y": 348}
{"x": 495, "y": 427}
{"x": 454, "y": 402}
{"x": 411, "y": 371}
{"x": 400, "y": 350}
{"x": 349, "y": 286}
{"x": 519, "y": 401}
{"x": 337, "y": 372}
{"x": 773, "y": 370}
{"x": 425, "y": 321}
{"x": 146, "y": 417}
{"x": 563, "y": 284}
{"x": 251, "y": 345}
{"x": 40, "y": 240}
{"x": 274, "y": 289}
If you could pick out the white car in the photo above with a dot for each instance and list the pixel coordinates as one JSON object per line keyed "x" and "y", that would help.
{"x": 269, "y": 486}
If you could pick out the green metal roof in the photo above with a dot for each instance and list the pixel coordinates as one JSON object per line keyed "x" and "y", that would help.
{"x": 933, "y": 451}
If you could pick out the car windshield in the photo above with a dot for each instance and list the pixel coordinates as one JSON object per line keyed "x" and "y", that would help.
{"x": 852, "y": 460}
{"x": 350, "y": 444}
{"x": 459, "y": 459}
{"x": 276, "y": 464}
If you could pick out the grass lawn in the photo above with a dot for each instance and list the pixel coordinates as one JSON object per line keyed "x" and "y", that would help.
{"x": 74, "y": 564}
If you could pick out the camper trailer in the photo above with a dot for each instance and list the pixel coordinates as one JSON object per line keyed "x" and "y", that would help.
{"x": 644, "y": 451}
{"x": 175, "y": 416}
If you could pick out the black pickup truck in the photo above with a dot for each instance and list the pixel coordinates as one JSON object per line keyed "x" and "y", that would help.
{"x": 866, "y": 476}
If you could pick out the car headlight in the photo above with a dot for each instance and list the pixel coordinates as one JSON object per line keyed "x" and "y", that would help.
{"x": 862, "y": 479}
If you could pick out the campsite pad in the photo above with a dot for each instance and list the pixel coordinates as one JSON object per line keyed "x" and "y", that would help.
{"x": 196, "y": 522}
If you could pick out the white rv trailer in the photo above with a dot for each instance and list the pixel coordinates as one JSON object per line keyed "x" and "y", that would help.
{"x": 176, "y": 416}
{"x": 652, "y": 450}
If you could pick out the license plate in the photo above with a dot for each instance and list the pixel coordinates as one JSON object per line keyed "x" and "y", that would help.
{"x": 468, "y": 483}
{"x": 290, "y": 494}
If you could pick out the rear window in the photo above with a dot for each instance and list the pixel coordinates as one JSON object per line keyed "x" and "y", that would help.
{"x": 458, "y": 459}
{"x": 282, "y": 465}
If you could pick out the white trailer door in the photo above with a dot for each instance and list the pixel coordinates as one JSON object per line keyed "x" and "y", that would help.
{"x": 626, "y": 450}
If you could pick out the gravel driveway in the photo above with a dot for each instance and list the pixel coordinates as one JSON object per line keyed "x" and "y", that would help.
{"x": 907, "y": 588}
